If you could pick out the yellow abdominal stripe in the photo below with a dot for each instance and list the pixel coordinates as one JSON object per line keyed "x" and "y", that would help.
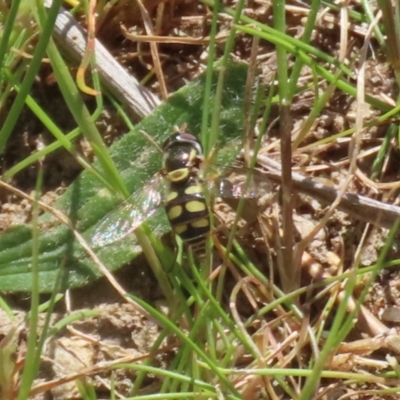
{"x": 178, "y": 174}
{"x": 179, "y": 229}
{"x": 195, "y": 206}
{"x": 200, "y": 223}
{"x": 193, "y": 189}
{"x": 172, "y": 196}
{"x": 174, "y": 212}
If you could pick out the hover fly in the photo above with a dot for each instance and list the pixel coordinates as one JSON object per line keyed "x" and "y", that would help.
{"x": 179, "y": 187}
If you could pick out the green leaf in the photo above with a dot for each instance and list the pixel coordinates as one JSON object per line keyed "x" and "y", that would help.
{"x": 86, "y": 201}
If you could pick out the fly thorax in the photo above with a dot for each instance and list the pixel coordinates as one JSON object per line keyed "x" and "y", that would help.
{"x": 179, "y": 161}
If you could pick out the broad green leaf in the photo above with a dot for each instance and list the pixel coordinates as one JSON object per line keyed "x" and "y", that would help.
{"x": 86, "y": 202}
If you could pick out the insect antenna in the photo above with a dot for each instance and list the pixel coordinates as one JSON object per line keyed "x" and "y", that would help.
{"x": 151, "y": 141}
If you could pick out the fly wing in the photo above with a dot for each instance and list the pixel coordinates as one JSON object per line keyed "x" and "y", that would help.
{"x": 136, "y": 209}
{"x": 241, "y": 182}
{"x": 238, "y": 183}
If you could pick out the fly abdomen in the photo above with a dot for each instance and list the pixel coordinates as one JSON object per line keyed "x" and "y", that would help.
{"x": 187, "y": 211}
{"x": 186, "y": 206}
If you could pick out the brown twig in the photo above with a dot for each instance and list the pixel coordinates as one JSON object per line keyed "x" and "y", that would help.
{"x": 363, "y": 208}
{"x": 70, "y": 36}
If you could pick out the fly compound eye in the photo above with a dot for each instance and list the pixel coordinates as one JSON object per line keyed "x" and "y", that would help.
{"x": 172, "y": 139}
{"x": 187, "y": 137}
{"x": 182, "y": 138}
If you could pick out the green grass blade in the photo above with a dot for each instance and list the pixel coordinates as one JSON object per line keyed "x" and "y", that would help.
{"x": 86, "y": 201}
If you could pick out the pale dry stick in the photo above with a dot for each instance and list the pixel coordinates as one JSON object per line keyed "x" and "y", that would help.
{"x": 371, "y": 393}
{"x": 302, "y": 245}
{"x": 278, "y": 348}
{"x": 70, "y": 36}
{"x": 248, "y": 141}
{"x": 366, "y": 319}
{"x": 350, "y": 361}
{"x": 159, "y": 18}
{"x": 108, "y": 350}
{"x": 277, "y": 240}
{"x": 220, "y": 38}
{"x": 368, "y": 378}
{"x": 390, "y": 341}
{"x": 329, "y": 166}
{"x": 385, "y": 98}
{"x": 358, "y": 252}
{"x": 68, "y": 303}
{"x": 214, "y": 274}
{"x": 344, "y": 33}
{"x": 288, "y": 343}
{"x": 322, "y": 15}
{"x": 375, "y": 186}
{"x": 251, "y": 386}
{"x": 289, "y": 271}
{"x": 309, "y": 124}
{"x": 386, "y": 161}
{"x": 327, "y": 18}
{"x": 105, "y": 16}
{"x": 261, "y": 359}
{"x": 382, "y": 336}
{"x": 154, "y": 50}
{"x": 355, "y": 144}
{"x": 140, "y": 55}
{"x": 84, "y": 373}
{"x": 236, "y": 317}
{"x": 105, "y": 347}
{"x": 65, "y": 220}
{"x": 354, "y": 149}
{"x": 363, "y": 208}
{"x": 363, "y": 346}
